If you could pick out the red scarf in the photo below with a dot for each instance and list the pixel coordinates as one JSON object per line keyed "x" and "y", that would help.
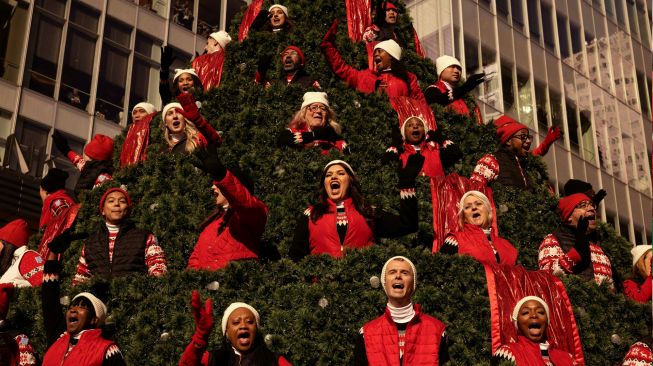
{"x": 209, "y": 69}
{"x": 527, "y": 353}
{"x": 135, "y": 145}
{"x": 472, "y": 241}
{"x": 46, "y": 215}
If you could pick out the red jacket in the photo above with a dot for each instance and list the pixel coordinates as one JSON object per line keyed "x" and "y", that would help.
{"x": 527, "y": 353}
{"x": 458, "y": 105}
{"x": 89, "y": 351}
{"x": 239, "y": 237}
{"x": 431, "y": 152}
{"x": 422, "y": 342}
{"x": 368, "y": 81}
{"x": 323, "y": 233}
{"x": 473, "y": 242}
{"x": 326, "y": 146}
{"x": 53, "y": 205}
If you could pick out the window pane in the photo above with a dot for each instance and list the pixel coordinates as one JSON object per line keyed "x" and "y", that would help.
{"x": 84, "y": 16}
{"x": 632, "y": 19}
{"x": 12, "y": 39}
{"x": 542, "y": 105}
{"x": 503, "y": 8}
{"x": 621, "y": 15}
{"x": 639, "y": 176}
{"x": 525, "y": 98}
{"x": 471, "y": 56}
{"x": 547, "y": 28}
{"x": 78, "y": 68}
{"x": 43, "y": 54}
{"x": 32, "y": 138}
{"x": 507, "y": 89}
{"x": 208, "y": 17}
{"x": 147, "y": 46}
{"x": 533, "y": 21}
{"x": 182, "y": 13}
{"x": 643, "y": 28}
{"x": 117, "y": 32}
{"x": 643, "y": 96}
{"x": 113, "y": 74}
{"x": 56, "y": 7}
{"x": 145, "y": 82}
{"x": 563, "y": 36}
{"x": 235, "y": 6}
{"x": 517, "y": 14}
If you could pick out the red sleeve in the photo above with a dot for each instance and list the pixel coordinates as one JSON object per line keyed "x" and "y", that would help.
{"x": 31, "y": 268}
{"x": 208, "y": 131}
{"x": 26, "y": 354}
{"x": 284, "y": 362}
{"x": 639, "y": 293}
{"x": 486, "y": 170}
{"x": 553, "y": 259}
{"x": 194, "y": 356}
{"x": 238, "y": 196}
{"x": 345, "y": 72}
{"x": 77, "y": 160}
{"x": 415, "y": 90}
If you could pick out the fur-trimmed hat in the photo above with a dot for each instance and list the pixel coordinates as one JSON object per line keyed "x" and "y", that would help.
{"x": 148, "y": 107}
{"x": 445, "y": 61}
{"x": 283, "y": 8}
{"x": 237, "y": 305}
{"x": 566, "y": 205}
{"x": 99, "y": 148}
{"x": 401, "y": 258}
{"x": 98, "y": 306}
{"x": 115, "y": 189}
{"x": 391, "y": 47}
{"x": 302, "y": 59}
{"x": 507, "y": 127}
{"x": 408, "y": 108}
{"x": 223, "y": 38}
{"x": 178, "y": 72}
{"x": 315, "y": 97}
{"x": 169, "y": 106}
{"x": 54, "y": 180}
{"x": 339, "y": 162}
{"x": 15, "y": 233}
{"x": 515, "y": 310}
{"x": 638, "y": 252}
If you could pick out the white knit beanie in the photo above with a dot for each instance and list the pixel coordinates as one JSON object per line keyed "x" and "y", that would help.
{"x": 338, "y": 162}
{"x": 231, "y": 308}
{"x": 98, "y": 306}
{"x": 401, "y": 258}
{"x": 283, "y": 8}
{"x": 315, "y": 97}
{"x": 391, "y": 47}
{"x": 169, "y": 106}
{"x": 148, "y": 107}
{"x": 638, "y": 252}
{"x": 445, "y": 61}
{"x": 223, "y": 38}
{"x": 181, "y": 71}
{"x": 403, "y": 127}
{"x": 515, "y": 310}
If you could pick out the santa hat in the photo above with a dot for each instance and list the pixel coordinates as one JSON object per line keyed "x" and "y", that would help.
{"x": 445, "y": 61}
{"x": 400, "y": 258}
{"x": 148, "y": 107}
{"x": 391, "y": 47}
{"x": 339, "y": 162}
{"x": 223, "y": 38}
{"x": 299, "y": 53}
{"x": 169, "y": 106}
{"x": 507, "y": 127}
{"x": 638, "y": 252}
{"x": 98, "y": 306}
{"x": 54, "y": 180}
{"x": 237, "y": 305}
{"x": 115, "y": 189}
{"x": 566, "y": 205}
{"x": 184, "y": 71}
{"x": 15, "y": 233}
{"x": 515, "y": 310}
{"x": 315, "y": 97}
{"x": 283, "y": 8}
{"x": 408, "y": 108}
{"x": 99, "y": 148}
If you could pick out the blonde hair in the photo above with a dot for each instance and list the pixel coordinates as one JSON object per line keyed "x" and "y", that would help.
{"x": 461, "y": 206}
{"x": 299, "y": 119}
{"x": 190, "y": 131}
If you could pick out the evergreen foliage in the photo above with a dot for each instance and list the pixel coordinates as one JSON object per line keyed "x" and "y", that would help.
{"x": 312, "y": 310}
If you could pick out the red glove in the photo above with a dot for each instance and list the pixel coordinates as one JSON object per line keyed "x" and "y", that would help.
{"x": 551, "y": 136}
{"x": 191, "y": 112}
{"x": 5, "y": 291}
{"x": 203, "y": 319}
{"x": 330, "y": 36}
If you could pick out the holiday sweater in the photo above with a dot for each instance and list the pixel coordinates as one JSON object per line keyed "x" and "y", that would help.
{"x": 639, "y": 291}
{"x": 53, "y": 205}
{"x": 233, "y": 234}
{"x": 345, "y": 227}
{"x": 26, "y": 269}
{"x": 525, "y": 352}
{"x": 93, "y": 172}
{"x": 23, "y": 354}
{"x": 368, "y": 81}
{"x": 420, "y": 341}
{"x": 487, "y": 248}
{"x": 87, "y": 348}
{"x": 504, "y": 167}
{"x": 154, "y": 257}
{"x": 639, "y": 354}
{"x": 557, "y": 255}
{"x": 303, "y": 138}
{"x": 26, "y": 354}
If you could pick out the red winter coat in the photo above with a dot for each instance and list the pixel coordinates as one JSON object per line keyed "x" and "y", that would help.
{"x": 323, "y": 233}
{"x": 422, "y": 342}
{"x": 431, "y": 152}
{"x": 368, "y": 81}
{"x": 239, "y": 237}
{"x": 527, "y": 353}
{"x": 53, "y": 205}
{"x": 89, "y": 351}
{"x": 473, "y": 242}
{"x": 636, "y": 292}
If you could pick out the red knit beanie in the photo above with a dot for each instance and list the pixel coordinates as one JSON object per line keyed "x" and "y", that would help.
{"x": 99, "y": 148}
{"x": 116, "y": 189}
{"x": 507, "y": 127}
{"x": 302, "y": 59}
{"x": 389, "y": 5}
{"x": 15, "y": 233}
{"x": 566, "y": 205}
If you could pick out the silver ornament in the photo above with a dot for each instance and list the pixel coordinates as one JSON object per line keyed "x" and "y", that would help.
{"x": 164, "y": 336}
{"x": 615, "y": 339}
{"x": 213, "y": 286}
{"x": 154, "y": 206}
{"x": 65, "y": 300}
{"x": 375, "y": 282}
{"x": 357, "y": 104}
{"x": 503, "y": 208}
{"x": 323, "y": 303}
{"x": 123, "y": 187}
{"x": 268, "y": 339}
{"x": 279, "y": 171}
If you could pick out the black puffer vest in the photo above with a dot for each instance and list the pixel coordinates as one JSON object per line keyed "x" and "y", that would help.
{"x": 92, "y": 169}
{"x": 128, "y": 252}
{"x": 510, "y": 173}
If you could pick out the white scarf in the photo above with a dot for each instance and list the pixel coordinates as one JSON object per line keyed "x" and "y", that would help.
{"x": 403, "y": 314}
{"x": 176, "y": 137}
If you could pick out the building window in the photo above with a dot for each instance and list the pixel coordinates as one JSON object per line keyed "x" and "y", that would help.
{"x": 79, "y": 56}
{"x": 517, "y": 13}
{"x": 145, "y": 71}
{"x": 547, "y": 27}
{"x": 525, "y": 95}
{"x": 5, "y": 128}
{"x": 507, "y": 88}
{"x": 542, "y": 105}
{"x": 643, "y": 28}
{"x": 60, "y": 161}
{"x": 44, "y": 46}
{"x": 12, "y": 38}
{"x": 644, "y": 99}
{"x": 234, "y": 7}
{"x": 113, "y": 71}
{"x": 563, "y": 37}
{"x": 32, "y": 139}
{"x": 533, "y": 20}
{"x": 182, "y": 13}
{"x": 208, "y": 17}
{"x": 503, "y": 8}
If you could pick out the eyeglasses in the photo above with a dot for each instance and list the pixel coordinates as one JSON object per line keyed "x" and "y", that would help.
{"x": 523, "y": 138}
{"x": 317, "y": 107}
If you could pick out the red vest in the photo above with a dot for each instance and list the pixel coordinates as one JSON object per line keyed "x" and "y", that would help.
{"x": 89, "y": 351}
{"x": 323, "y": 233}
{"x": 527, "y": 353}
{"x": 473, "y": 242}
{"x": 431, "y": 152}
{"x": 423, "y": 335}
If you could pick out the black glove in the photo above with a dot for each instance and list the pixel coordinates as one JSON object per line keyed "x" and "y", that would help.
{"x": 435, "y": 136}
{"x": 397, "y": 139}
{"x": 210, "y": 162}
{"x": 61, "y": 243}
{"x": 60, "y": 142}
{"x": 581, "y": 234}
{"x": 599, "y": 196}
{"x": 472, "y": 82}
{"x": 408, "y": 173}
{"x": 260, "y": 20}
{"x": 326, "y": 133}
{"x": 166, "y": 61}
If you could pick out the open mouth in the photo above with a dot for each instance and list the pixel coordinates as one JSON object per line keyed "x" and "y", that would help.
{"x": 535, "y": 329}
{"x": 335, "y": 186}
{"x": 73, "y": 320}
{"x": 416, "y": 133}
{"x": 244, "y": 338}
{"x": 476, "y": 215}
{"x": 176, "y": 124}
{"x": 398, "y": 286}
